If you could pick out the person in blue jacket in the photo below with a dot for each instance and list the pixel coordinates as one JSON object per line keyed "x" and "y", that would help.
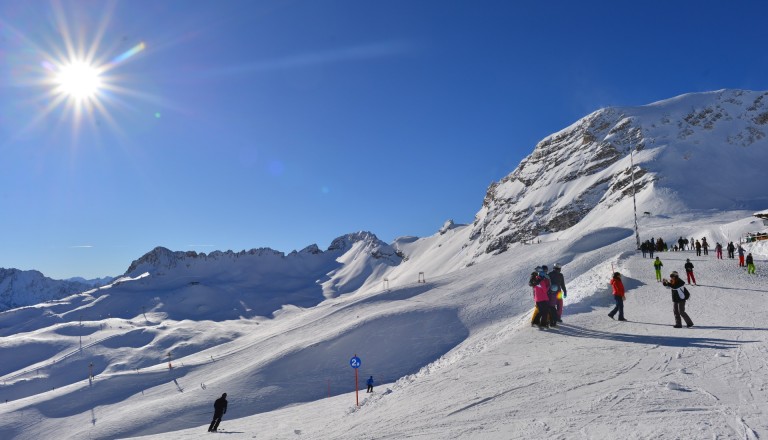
{"x": 370, "y": 385}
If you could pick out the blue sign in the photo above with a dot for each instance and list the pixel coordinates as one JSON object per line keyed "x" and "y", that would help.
{"x": 355, "y": 362}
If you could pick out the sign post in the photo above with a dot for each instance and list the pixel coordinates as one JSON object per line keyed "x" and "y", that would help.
{"x": 355, "y": 364}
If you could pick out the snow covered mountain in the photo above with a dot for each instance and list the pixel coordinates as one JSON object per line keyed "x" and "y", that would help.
{"x": 695, "y": 151}
{"x": 26, "y": 287}
{"x": 441, "y": 321}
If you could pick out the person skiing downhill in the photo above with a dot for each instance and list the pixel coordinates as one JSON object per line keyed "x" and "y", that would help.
{"x": 689, "y": 271}
{"x": 370, "y": 385}
{"x": 678, "y": 299}
{"x": 219, "y": 409}
{"x": 657, "y": 264}
{"x": 618, "y": 296}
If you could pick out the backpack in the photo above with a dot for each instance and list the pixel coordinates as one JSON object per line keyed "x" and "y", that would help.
{"x": 683, "y": 293}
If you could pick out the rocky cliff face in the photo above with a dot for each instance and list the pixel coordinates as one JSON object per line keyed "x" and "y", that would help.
{"x": 674, "y": 143}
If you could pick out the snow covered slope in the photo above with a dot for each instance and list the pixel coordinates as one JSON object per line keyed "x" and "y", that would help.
{"x": 440, "y": 321}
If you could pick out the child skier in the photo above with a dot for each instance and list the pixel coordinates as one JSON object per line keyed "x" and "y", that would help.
{"x": 657, "y": 264}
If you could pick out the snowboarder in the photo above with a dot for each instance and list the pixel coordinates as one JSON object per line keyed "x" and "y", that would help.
{"x": 618, "y": 296}
{"x": 741, "y": 256}
{"x": 370, "y": 385}
{"x": 678, "y": 299}
{"x": 657, "y": 264}
{"x": 558, "y": 280}
{"x": 219, "y": 409}
{"x": 689, "y": 271}
{"x": 750, "y": 264}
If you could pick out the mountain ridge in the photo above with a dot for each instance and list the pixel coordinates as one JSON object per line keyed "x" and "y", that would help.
{"x": 584, "y": 169}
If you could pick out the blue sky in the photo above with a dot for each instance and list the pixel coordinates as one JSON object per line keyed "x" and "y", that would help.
{"x": 246, "y": 124}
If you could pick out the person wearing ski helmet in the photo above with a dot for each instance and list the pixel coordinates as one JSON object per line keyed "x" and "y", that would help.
{"x": 678, "y": 299}
{"x": 657, "y": 264}
{"x": 542, "y": 315}
{"x": 557, "y": 281}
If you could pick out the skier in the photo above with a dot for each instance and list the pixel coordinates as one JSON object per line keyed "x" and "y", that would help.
{"x": 644, "y": 248}
{"x": 370, "y": 385}
{"x": 731, "y": 248}
{"x": 678, "y": 299}
{"x": 705, "y": 245}
{"x": 689, "y": 271}
{"x": 740, "y": 250}
{"x": 750, "y": 264}
{"x": 681, "y": 243}
{"x": 541, "y": 296}
{"x": 657, "y": 264}
{"x": 651, "y": 247}
{"x": 618, "y": 296}
{"x": 558, "y": 280}
{"x": 719, "y": 251}
{"x": 219, "y": 409}
{"x": 698, "y": 248}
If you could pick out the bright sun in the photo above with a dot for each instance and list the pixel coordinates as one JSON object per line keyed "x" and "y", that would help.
{"x": 78, "y": 80}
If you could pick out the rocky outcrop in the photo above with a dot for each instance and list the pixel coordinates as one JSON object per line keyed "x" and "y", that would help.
{"x": 594, "y": 161}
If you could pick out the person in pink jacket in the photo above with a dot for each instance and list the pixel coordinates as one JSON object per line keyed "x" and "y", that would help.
{"x": 541, "y": 297}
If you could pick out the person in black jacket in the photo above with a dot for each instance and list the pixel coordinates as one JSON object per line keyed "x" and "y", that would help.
{"x": 678, "y": 300}
{"x": 557, "y": 281}
{"x": 219, "y": 409}
{"x": 689, "y": 271}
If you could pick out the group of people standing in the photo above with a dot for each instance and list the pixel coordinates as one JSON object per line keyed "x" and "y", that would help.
{"x": 701, "y": 247}
{"x": 548, "y": 293}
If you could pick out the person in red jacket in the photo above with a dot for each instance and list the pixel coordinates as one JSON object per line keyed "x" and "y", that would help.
{"x": 618, "y": 296}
